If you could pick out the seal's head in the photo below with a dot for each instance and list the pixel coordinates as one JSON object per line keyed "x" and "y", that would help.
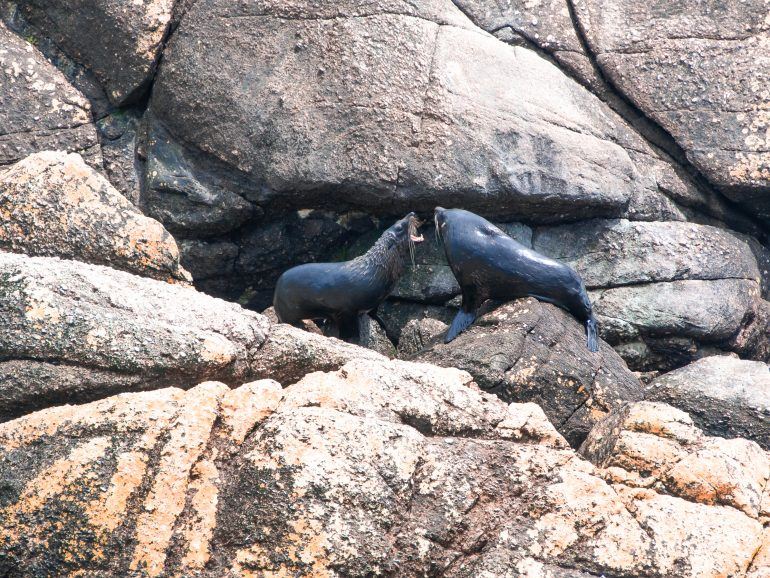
{"x": 442, "y": 218}
{"x": 403, "y": 234}
{"x": 405, "y": 230}
{"x": 452, "y": 222}
{"x": 397, "y": 242}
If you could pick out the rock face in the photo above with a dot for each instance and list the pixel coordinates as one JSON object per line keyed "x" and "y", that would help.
{"x": 652, "y": 446}
{"x": 534, "y": 352}
{"x": 64, "y": 321}
{"x": 725, "y": 396}
{"x": 119, "y": 42}
{"x": 428, "y": 120}
{"x": 53, "y": 204}
{"x": 701, "y": 71}
{"x": 545, "y": 25}
{"x": 621, "y": 252}
{"x": 280, "y": 132}
{"x": 395, "y": 468}
{"x": 39, "y": 109}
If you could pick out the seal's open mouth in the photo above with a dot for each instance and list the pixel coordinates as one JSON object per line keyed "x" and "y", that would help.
{"x": 414, "y": 224}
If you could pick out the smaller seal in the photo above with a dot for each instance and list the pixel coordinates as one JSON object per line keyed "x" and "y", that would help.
{"x": 488, "y": 264}
{"x": 341, "y": 293}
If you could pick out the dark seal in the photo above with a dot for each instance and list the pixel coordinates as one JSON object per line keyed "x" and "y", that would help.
{"x": 341, "y": 293}
{"x": 488, "y": 264}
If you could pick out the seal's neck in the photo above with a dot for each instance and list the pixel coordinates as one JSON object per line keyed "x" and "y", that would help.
{"x": 385, "y": 260}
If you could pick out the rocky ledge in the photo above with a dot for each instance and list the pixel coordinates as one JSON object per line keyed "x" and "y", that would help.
{"x": 380, "y": 468}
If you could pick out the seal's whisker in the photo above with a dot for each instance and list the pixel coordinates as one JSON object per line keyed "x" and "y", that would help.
{"x": 412, "y": 236}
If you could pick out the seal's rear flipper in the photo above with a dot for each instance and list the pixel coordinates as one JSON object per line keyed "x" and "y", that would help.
{"x": 461, "y": 322}
{"x": 591, "y": 332}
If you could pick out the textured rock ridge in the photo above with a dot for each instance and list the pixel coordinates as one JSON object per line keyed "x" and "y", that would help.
{"x": 390, "y": 467}
{"x": 528, "y": 351}
{"x": 73, "y": 332}
{"x": 53, "y": 204}
{"x": 39, "y": 109}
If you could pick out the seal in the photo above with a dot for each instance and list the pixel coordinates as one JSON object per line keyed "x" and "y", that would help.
{"x": 341, "y": 293}
{"x": 488, "y": 264}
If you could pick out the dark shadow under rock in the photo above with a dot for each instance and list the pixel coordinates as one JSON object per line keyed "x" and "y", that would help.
{"x": 527, "y": 351}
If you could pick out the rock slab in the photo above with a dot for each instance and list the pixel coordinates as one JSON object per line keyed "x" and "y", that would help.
{"x": 724, "y": 396}
{"x": 392, "y": 466}
{"x": 528, "y": 351}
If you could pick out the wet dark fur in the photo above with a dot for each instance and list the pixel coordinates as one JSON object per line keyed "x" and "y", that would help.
{"x": 488, "y": 264}
{"x": 340, "y": 293}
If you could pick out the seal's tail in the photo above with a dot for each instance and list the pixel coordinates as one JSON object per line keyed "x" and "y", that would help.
{"x": 591, "y": 332}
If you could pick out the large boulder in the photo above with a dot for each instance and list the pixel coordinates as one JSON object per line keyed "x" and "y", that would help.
{"x": 699, "y": 69}
{"x": 53, "y": 204}
{"x": 653, "y": 446}
{"x": 702, "y": 311}
{"x": 724, "y": 396}
{"x": 39, "y": 109}
{"x": 121, "y": 43}
{"x": 388, "y": 468}
{"x": 620, "y": 252}
{"x": 318, "y": 99}
{"x": 528, "y": 351}
{"x": 665, "y": 291}
{"x": 74, "y": 332}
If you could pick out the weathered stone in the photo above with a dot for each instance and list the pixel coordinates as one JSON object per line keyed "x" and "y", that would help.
{"x": 615, "y": 253}
{"x": 206, "y": 259}
{"x": 190, "y": 202}
{"x": 396, "y": 314}
{"x": 427, "y": 284}
{"x": 704, "y": 310}
{"x": 119, "y": 134}
{"x": 545, "y": 25}
{"x": 724, "y": 395}
{"x": 373, "y": 337}
{"x": 53, "y": 204}
{"x": 121, "y": 43}
{"x": 401, "y": 469}
{"x": 653, "y": 445}
{"x": 290, "y": 353}
{"x": 418, "y": 334}
{"x": 531, "y": 351}
{"x": 74, "y": 317}
{"x": 700, "y": 69}
{"x": 39, "y": 109}
{"x": 428, "y": 120}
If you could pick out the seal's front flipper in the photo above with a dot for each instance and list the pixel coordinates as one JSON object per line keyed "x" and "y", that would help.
{"x": 591, "y": 333}
{"x": 461, "y": 322}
